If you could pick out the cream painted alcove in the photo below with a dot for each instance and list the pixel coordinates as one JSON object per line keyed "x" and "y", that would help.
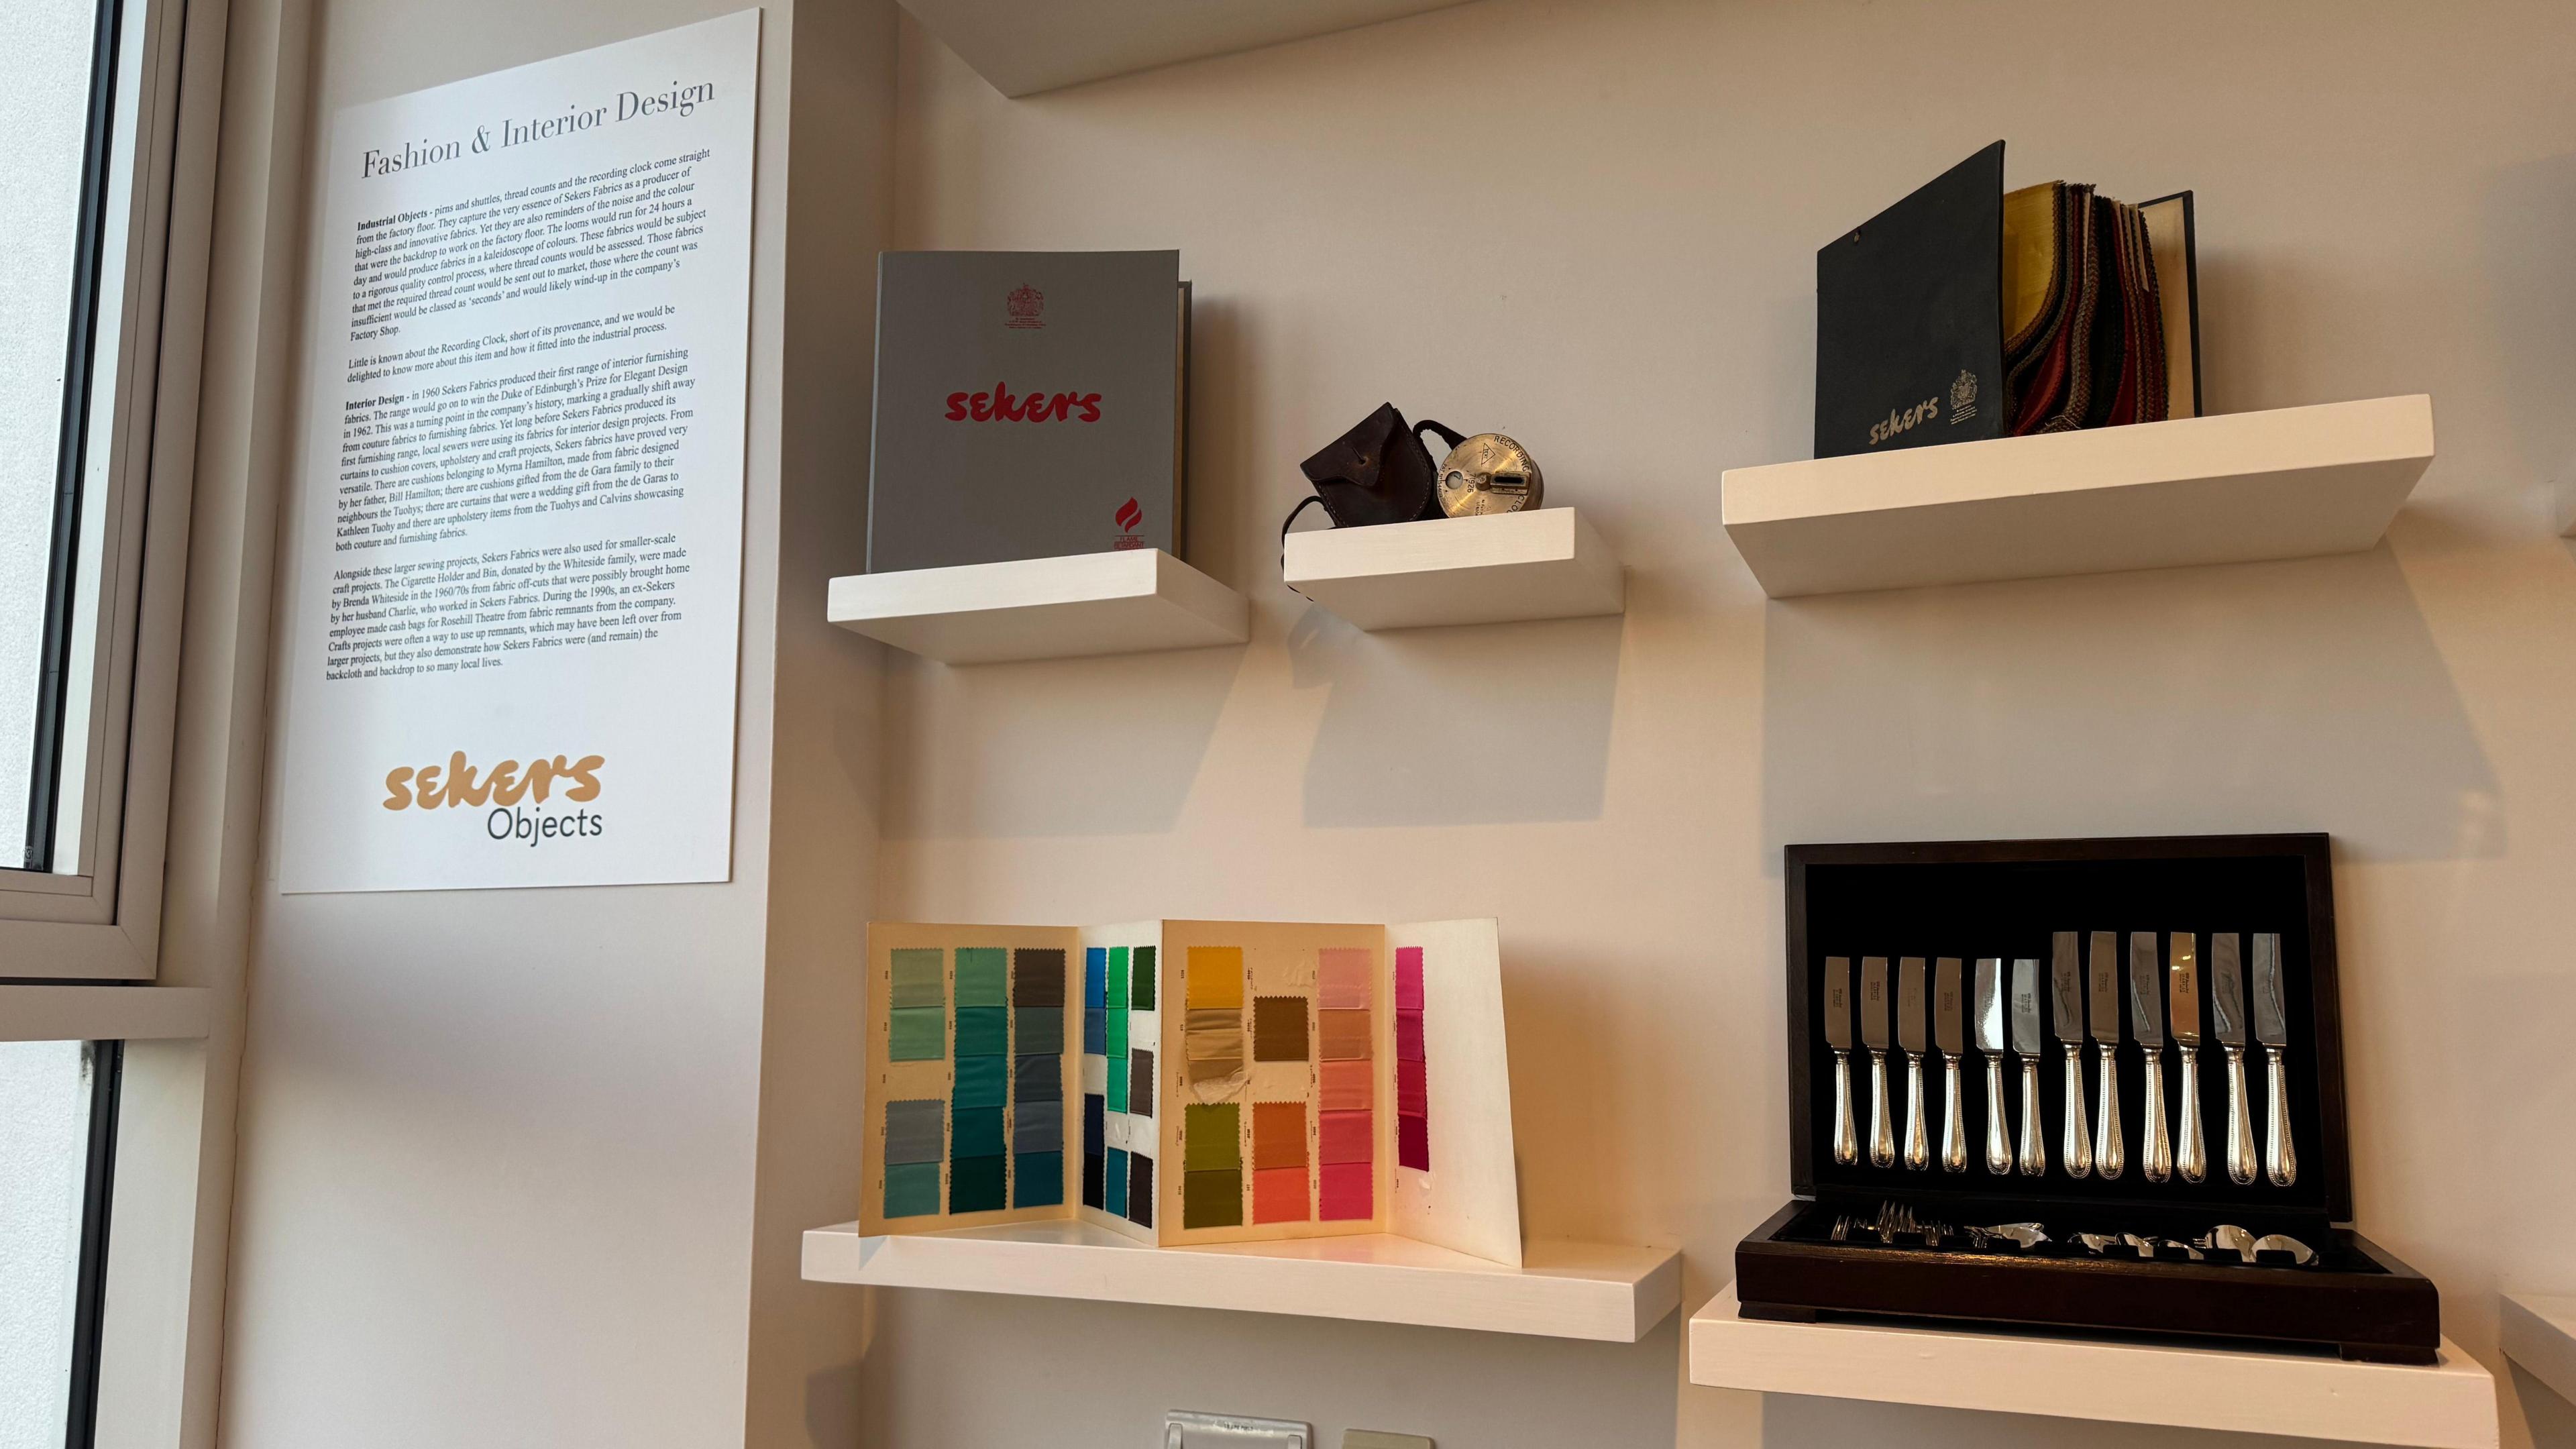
{"x": 525, "y": 1176}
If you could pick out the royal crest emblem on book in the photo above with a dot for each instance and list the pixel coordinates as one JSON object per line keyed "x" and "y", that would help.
{"x": 1963, "y": 397}
{"x": 1028, "y": 308}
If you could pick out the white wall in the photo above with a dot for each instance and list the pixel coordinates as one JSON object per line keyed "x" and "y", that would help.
{"x": 525, "y": 1168}
{"x": 1593, "y": 224}
{"x": 522, "y": 1167}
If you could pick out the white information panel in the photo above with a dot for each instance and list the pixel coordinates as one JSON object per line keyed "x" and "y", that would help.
{"x": 519, "y": 552}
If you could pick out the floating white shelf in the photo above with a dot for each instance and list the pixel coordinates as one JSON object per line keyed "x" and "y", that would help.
{"x": 1566, "y": 1290}
{"x": 1025, "y": 46}
{"x": 1128, "y": 602}
{"x": 2450, "y": 1404}
{"x": 2539, "y": 1333}
{"x": 1506, "y": 567}
{"x": 2290, "y": 483}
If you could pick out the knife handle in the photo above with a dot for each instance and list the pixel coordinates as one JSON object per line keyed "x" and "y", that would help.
{"x": 2276, "y": 1132}
{"x": 2189, "y": 1158}
{"x": 1954, "y": 1132}
{"x": 1882, "y": 1138}
{"x": 1846, "y": 1136}
{"x": 2240, "y": 1123}
{"x": 1918, "y": 1142}
{"x": 2034, "y": 1155}
{"x": 1999, "y": 1158}
{"x": 2157, "y": 1162}
{"x": 2110, "y": 1153}
{"x": 2076, "y": 1147}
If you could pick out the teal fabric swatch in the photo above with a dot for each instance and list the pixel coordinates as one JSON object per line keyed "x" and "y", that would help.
{"x": 974, "y": 1132}
{"x": 1037, "y": 1179}
{"x": 983, "y": 1031}
{"x": 912, "y": 1189}
{"x": 981, "y": 1082}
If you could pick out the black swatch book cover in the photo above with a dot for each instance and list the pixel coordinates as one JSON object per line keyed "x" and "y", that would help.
{"x": 1965, "y": 312}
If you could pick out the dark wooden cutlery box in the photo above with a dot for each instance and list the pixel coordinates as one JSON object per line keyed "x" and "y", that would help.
{"x": 1856, "y": 913}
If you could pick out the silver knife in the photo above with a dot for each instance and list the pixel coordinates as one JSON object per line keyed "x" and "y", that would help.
{"x": 1909, "y": 1035}
{"x": 2028, "y": 1045}
{"x": 1949, "y": 1033}
{"x": 1838, "y": 1035}
{"x": 2182, "y": 996}
{"x": 2227, "y": 1023}
{"x": 1990, "y": 1042}
{"x": 1873, "y": 1035}
{"x": 2272, "y": 1029}
{"x": 2147, "y": 1022}
{"x": 2110, "y": 1149}
{"x": 2066, "y": 1000}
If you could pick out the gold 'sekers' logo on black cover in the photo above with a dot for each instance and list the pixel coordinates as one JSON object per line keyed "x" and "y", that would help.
{"x": 1899, "y": 422}
{"x": 1963, "y": 397}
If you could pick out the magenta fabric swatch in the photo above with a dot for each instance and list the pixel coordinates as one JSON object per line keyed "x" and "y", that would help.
{"x": 1408, "y": 978}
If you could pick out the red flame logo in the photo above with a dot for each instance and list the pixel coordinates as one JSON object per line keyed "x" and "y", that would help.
{"x": 1129, "y": 515}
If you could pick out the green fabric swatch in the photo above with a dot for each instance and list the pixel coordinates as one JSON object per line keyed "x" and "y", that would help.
{"x": 1208, "y": 1137}
{"x": 1212, "y": 1199}
{"x": 983, "y": 1031}
{"x": 1117, "y": 982}
{"x": 981, "y": 1081}
{"x": 982, "y": 977}
{"x": 1040, "y": 1030}
{"x": 912, "y": 1189}
{"x": 1142, "y": 998}
{"x": 917, "y": 978}
{"x": 974, "y": 1132}
{"x": 975, "y": 1184}
{"x": 919, "y": 1034}
{"x": 1117, "y": 1036}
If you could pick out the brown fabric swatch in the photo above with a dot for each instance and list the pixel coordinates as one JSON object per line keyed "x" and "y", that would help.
{"x": 1140, "y": 1082}
{"x": 1279, "y": 1028}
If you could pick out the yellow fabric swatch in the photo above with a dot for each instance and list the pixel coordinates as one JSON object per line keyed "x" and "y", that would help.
{"x": 1215, "y": 977}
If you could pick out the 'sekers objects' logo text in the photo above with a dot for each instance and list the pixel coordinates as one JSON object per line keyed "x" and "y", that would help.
{"x": 1130, "y": 518}
{"x": 513, "y": 793}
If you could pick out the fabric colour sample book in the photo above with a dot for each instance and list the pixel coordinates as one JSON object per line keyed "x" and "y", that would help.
{"x": 1189, "y": 1082}
{"x": 1028, "y": 405}
{"x": 1965, "y": 312}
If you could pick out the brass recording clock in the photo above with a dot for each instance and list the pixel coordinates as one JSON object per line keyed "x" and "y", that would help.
{"x": 1488, "y": 473}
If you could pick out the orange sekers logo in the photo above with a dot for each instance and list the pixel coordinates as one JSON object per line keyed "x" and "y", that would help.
{"x": 509, "y": 782}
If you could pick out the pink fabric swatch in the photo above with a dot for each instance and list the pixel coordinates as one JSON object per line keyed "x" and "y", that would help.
{"x": 1346, "y": 1136}
{"x": 1342, "y": 978}
{"x": 1347, "y": 1192}
{"x": 1345, "y": 1086}
{"x": 1413, "y": 1088}
{"x": 1408, "y": 978}
{"x": 1408, "y": 1036}
{"x": 1413, "y": 1143}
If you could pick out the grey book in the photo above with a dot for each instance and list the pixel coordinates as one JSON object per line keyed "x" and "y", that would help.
{"x": 1028, "y": 405}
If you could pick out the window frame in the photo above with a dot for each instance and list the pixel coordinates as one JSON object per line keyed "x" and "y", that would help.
{"x": 98, "y": 1197}
{"x": 101, "y": 919}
